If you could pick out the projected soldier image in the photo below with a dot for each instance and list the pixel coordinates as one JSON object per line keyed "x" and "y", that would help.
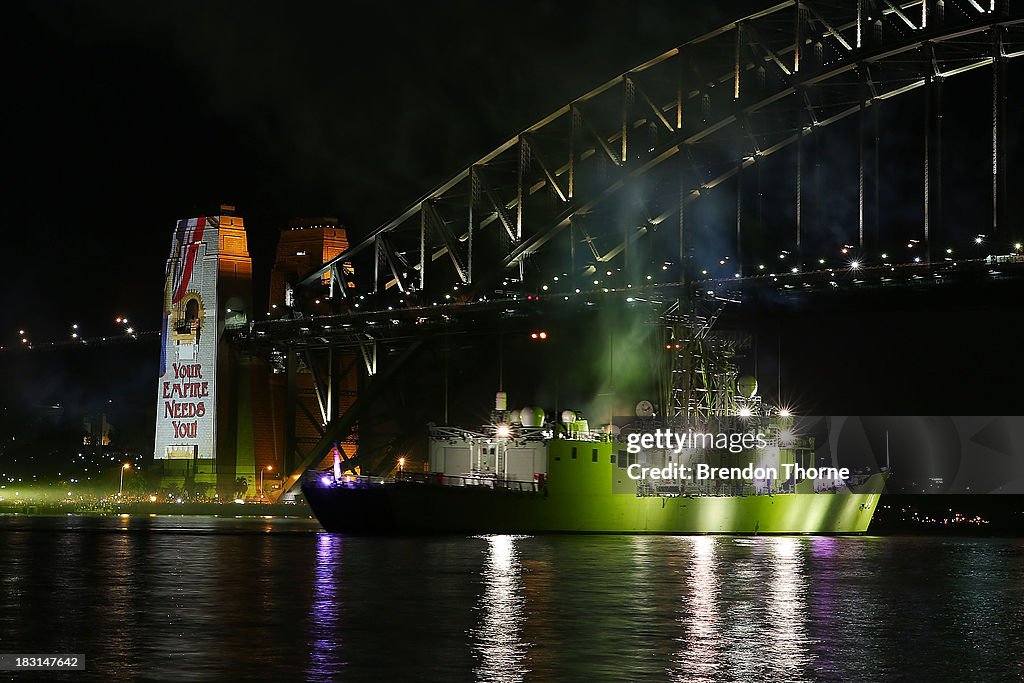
{"x": 190, "y": 320}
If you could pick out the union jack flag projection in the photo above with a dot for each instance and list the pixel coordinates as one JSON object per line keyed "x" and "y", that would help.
{"x": 188, "y": 235}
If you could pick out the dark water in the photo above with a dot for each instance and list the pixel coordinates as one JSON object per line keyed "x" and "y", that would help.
{"x": 215, "y": 599}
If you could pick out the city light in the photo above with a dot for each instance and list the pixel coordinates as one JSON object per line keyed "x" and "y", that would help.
{"x": 124, "y": 468}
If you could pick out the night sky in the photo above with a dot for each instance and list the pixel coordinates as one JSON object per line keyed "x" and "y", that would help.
{"x": 122, "y": 117}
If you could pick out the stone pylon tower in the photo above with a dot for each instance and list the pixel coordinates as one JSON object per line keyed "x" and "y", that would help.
{"x": 204, "y": 417}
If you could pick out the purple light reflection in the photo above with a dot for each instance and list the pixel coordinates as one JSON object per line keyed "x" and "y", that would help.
{"x": 326, "y": 662}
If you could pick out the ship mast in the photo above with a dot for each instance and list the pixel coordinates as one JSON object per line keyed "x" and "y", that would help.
{"x": 702, "y": 368}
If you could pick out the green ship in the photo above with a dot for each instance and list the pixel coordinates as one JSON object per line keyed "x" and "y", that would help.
{"x": 509, "y": 478}
{"x": 525, "y": 473}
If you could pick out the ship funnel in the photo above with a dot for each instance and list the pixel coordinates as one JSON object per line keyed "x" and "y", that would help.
{"x": 501, "y": 401}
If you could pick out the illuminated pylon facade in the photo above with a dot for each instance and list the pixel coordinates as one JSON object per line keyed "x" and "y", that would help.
{"x": 203, "y": 418}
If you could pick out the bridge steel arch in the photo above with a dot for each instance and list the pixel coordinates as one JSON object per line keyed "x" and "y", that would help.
{"x": 714, "y": 106}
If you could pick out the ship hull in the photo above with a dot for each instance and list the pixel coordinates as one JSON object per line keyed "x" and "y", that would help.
{"x": 417, "y": 508}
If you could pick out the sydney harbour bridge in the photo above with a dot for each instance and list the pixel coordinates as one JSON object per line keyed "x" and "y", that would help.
{"x": 809, "y": 147}
{"x": 685, "y": 182}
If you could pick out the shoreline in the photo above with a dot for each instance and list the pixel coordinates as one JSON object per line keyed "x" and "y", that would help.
{"x": 296, "y": 510}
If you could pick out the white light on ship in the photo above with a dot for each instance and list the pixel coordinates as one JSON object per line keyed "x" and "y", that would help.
{"x": 854, "y": 265}
{"x": 745, "y": 412}
{"x": 503, "y": 431}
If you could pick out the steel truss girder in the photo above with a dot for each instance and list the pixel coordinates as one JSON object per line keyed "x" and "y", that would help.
{"x": 820, "y": 63}
{"x": 338, "y": 429}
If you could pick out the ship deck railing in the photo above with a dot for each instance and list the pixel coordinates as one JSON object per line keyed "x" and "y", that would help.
{"x": 467, "y": 480}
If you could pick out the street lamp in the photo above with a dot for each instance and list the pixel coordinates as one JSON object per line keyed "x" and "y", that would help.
{"x": 120, "y": 489}
{"x": 264, "y": 467}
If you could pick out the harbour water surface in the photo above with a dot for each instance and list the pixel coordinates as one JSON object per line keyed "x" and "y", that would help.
{"x": 180, "y": 598}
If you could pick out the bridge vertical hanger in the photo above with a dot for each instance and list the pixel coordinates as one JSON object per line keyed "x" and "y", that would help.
{"x": 860, "y": 169}
{"x": 321, "y": 388}
{"x": 928, "y": 80}
{"x": 738, "y": 66}
{"x": 683, "y": 292}
{"x": 860, "y": 23}
{"x": 332, "y": 385}
{"x": 628, "y": 96}
{"x": 938, "y": 232}
{"x": 680, "y": 63}
{"x": 474, "y": 195}
{"x": 290, "y": 406}
{"x": 877, "y": 175}
{"x": 376, "y": 262}
{"x": 739, "y": 218}
{"x": 998, "y": 137}
{"x": 818, "y": 220}
{"x": 574, "y": 126}
{"x": 572, "y": 252}
{"x": 797, "y": 37}
{"x": 368, "y": 350}
{"x": 521, "y": 170}
{"x": 337, "y": 280}
{"x": 799, "y": 182}
{"x": 423, "y": 248}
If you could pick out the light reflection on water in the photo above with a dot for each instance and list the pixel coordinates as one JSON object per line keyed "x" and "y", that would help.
{"x": 497, "y": 640}
{"x": 325, "y": 611}
{"x": 700, "y": 655}
{"x": 787, "y": 609}
{"x": 209, "y": 599}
